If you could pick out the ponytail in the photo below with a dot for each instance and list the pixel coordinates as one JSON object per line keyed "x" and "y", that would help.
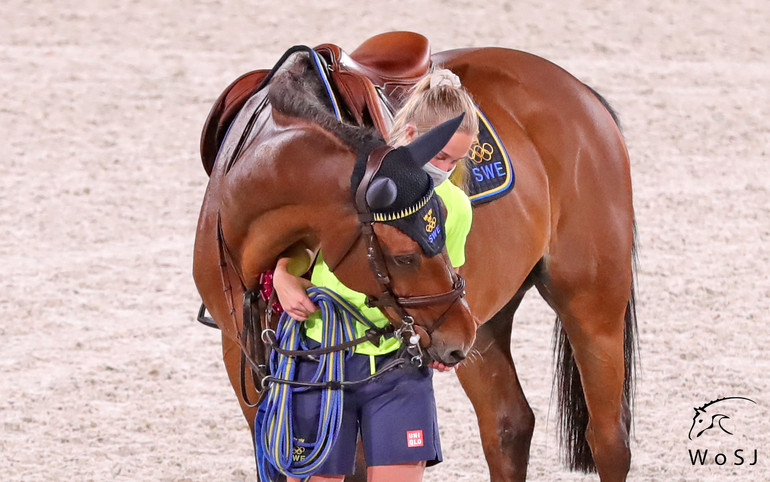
{"x": 435, "y": 98}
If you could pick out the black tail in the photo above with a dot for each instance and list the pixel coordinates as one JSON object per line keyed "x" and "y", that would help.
{"x": 572, "y": 409}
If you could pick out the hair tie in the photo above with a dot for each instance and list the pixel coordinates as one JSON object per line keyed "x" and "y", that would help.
{"x": 441, "y": 77}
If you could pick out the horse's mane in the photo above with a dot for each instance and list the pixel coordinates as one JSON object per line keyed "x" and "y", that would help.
{"x": 297, "y": 90}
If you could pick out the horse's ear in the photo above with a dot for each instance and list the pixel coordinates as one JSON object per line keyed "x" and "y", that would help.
{"x": 425, "y": 147}
{"x": 381, "y": 193}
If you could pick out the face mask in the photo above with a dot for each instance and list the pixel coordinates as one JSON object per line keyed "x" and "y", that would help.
{"x": 439, "y": 175}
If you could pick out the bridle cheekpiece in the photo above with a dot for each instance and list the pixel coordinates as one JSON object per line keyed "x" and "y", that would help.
{"x": 406, "y": 330}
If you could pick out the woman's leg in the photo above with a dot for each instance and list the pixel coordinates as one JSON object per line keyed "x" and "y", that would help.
{"x": 408, "y": 472}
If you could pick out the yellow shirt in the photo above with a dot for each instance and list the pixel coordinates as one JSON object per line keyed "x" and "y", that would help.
{"x": 458, "y": 224}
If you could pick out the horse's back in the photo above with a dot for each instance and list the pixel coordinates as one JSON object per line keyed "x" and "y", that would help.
{"x": 573, "y": 189}
{"x": 546, "y": 100}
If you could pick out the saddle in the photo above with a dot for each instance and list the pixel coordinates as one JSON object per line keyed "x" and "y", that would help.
{"x": 372, "y": 82}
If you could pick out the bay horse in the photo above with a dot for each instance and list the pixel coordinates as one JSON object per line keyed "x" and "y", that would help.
{"x": 567, "y": 229}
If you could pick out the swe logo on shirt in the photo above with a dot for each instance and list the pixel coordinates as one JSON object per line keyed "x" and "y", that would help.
{"x": 414, "y": 438}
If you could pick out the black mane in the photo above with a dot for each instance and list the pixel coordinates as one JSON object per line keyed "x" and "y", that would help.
{"x": 297, "y": 90}
{"x": 606, "y": 104}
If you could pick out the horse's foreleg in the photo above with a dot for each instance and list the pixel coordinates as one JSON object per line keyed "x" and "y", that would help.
{"x": 506, "y": 421}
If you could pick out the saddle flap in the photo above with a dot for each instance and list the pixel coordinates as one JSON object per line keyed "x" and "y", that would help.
{"x": 223, "y": 112}
{"x": 375, "y": 79}
{"x": 373, "y": 82}
{"x": 358, "y": 92}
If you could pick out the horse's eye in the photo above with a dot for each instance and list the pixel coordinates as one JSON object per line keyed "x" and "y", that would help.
{"x": 406, "y": 259}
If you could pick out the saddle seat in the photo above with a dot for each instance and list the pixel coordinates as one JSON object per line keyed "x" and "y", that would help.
{"x": 374, "y": 79}
{"x": 393, "y": 59}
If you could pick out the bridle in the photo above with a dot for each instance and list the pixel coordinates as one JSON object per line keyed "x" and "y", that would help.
{"x": 406, "y": 330}
{"x": 254, "y": 348}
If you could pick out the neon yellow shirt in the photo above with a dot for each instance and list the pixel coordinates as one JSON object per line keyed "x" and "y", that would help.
{"x": 458, "y": 224}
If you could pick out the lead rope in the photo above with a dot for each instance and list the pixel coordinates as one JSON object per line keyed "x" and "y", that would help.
{"x": 276, "y": 446}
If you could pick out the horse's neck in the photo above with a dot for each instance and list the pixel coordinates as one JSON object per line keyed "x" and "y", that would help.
{"x": 301, "y": 193}
{"x": 275, "y": 231}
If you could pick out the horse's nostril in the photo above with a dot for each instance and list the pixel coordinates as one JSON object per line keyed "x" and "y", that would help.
{"x": 457, "y": 356}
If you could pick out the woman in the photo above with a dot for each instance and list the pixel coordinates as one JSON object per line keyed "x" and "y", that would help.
{"x": 396, "y": 416}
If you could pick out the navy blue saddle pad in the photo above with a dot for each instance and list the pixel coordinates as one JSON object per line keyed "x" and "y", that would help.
{"x": 490, "y": 171}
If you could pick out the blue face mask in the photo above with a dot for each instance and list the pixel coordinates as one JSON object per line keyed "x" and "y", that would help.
{"x": 437, "y": 174}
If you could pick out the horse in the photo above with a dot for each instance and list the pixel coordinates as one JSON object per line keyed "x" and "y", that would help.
{"x": 566, "y": 229}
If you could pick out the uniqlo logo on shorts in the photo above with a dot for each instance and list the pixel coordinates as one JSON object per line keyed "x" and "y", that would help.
{"x": 414, "y": 438}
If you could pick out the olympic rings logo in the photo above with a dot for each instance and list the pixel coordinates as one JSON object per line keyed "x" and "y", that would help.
{"x": 431, "y": 221}
{"x": 479, "y": 153}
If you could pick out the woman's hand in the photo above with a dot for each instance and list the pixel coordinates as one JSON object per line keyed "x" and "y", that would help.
{"x": 292, "y": 292}
{"x": 440, "y": 366}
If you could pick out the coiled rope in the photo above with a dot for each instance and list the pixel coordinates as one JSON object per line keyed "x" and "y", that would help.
{"x": 274, "y": 435}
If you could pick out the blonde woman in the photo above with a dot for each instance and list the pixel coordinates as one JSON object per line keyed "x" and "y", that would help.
{"x": 396, "y": 415}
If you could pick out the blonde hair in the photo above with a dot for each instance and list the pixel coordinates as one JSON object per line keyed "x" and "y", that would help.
{"x": 436, "y": 98}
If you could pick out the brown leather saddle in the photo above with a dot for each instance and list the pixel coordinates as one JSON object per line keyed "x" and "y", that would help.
{"x": 371, "y": 83}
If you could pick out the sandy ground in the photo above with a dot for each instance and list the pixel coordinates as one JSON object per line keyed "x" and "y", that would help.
{"x": 104, "y": 375}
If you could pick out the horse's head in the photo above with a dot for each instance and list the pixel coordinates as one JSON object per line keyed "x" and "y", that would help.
{"x": 380, "y": 228}
{"x": 408, "y": 274}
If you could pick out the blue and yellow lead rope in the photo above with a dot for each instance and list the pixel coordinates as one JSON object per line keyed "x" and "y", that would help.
{"x": 274, "y": 434}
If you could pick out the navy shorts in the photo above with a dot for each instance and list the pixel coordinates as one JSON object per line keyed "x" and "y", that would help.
{"x": 395, "y": 414}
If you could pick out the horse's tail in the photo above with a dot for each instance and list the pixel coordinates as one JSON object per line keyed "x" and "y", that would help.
{"x": 572, "y": 409}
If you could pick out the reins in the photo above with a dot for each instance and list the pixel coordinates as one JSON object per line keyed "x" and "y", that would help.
{"x": 274, "y": 435}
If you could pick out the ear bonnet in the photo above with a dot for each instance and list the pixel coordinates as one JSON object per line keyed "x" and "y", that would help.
{"x": 401, "y": 193}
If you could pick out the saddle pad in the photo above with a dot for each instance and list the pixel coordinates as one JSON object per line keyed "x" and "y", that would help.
{"x": 490, "y": 172}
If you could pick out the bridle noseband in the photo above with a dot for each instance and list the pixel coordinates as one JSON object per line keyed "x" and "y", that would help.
{"x": 387, "y": 297}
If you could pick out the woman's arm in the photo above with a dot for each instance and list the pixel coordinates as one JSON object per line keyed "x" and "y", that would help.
{"x": 289, "y": 285}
